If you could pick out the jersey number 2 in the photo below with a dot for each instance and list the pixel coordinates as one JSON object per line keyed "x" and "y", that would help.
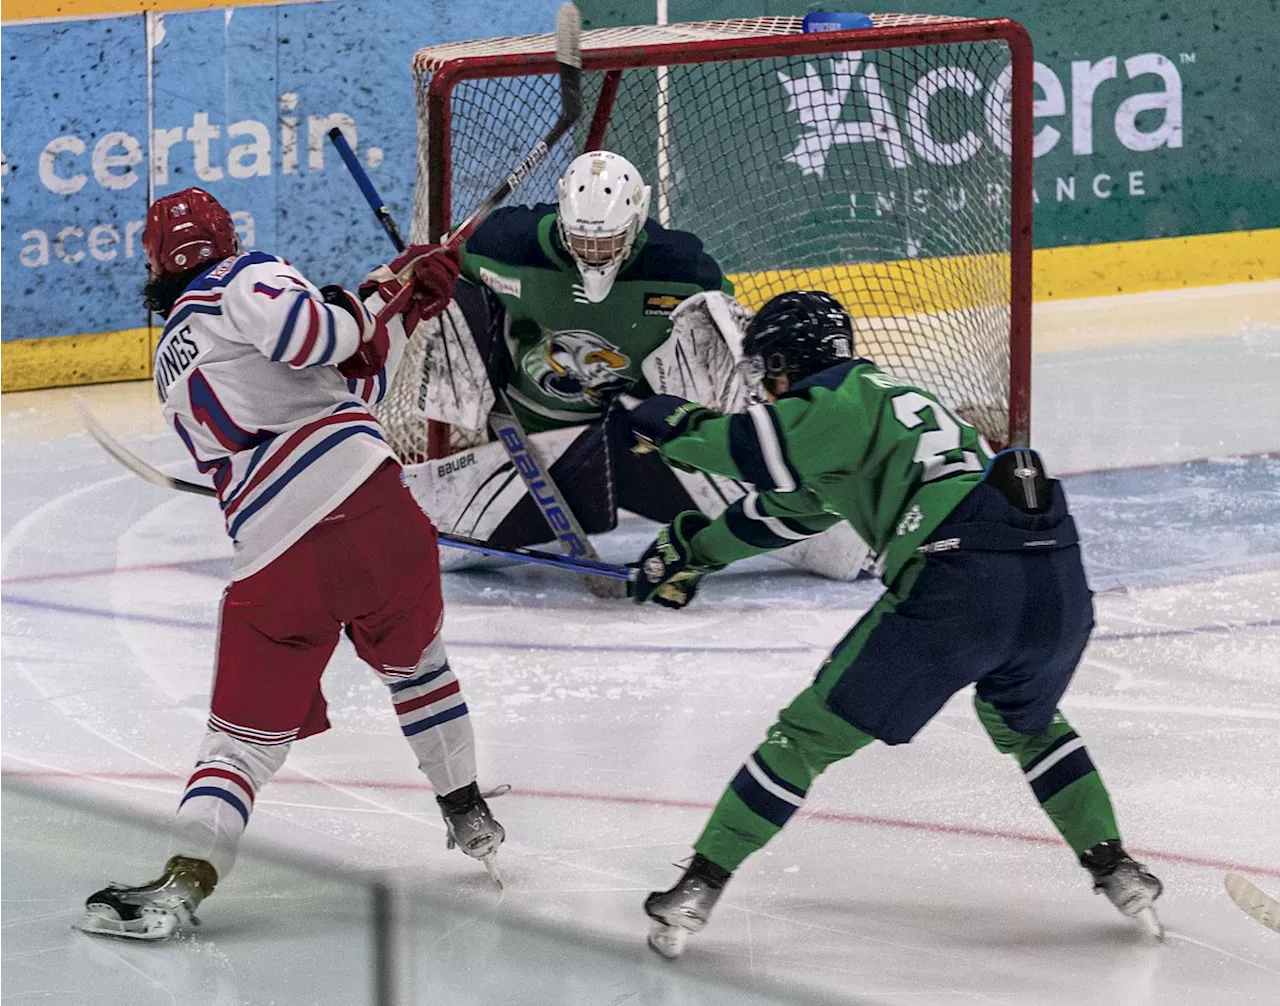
{"x": 934, "y": 445}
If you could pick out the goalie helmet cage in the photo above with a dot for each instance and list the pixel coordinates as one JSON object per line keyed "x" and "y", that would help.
{"x": 890, "y": 166}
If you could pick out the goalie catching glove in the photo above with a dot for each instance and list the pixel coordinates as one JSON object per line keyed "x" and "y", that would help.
{"x": 417, "y": 284}
{"x": 667, "y": 574}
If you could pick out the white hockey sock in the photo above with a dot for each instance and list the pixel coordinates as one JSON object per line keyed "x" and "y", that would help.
{"x": 219, "y": 797}
{"x": 433, "y": 715}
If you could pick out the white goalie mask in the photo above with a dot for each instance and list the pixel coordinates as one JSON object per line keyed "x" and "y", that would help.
{"x": 603, "y": 206}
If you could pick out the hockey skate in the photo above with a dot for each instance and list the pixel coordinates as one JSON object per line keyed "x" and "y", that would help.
{"x": 154, "y": 911}
{"x": 471, "y": 826}
{"x": 1128, "y": 884}
{"x": 686, "y": 907}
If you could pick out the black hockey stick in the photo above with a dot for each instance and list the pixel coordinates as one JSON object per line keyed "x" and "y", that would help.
{"x": 506, "y": 425}
{"x": 569, "y": 60}
{"x": 587, "y": 567}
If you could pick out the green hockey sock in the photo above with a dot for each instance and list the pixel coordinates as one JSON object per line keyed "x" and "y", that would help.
{"x": 774, "y": 780}
{"x": 1062, "y": 776}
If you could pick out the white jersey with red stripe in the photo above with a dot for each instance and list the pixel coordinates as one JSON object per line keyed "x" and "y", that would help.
{"x": 246, "y": 372}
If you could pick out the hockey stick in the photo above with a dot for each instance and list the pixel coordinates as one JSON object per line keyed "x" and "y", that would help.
{"x": 366, "y": 186}
{"x": 569, "y": 60}
{"x": 1253, "y": 902}
{"x": 587, "y": 567}
{"x": 502, "y": 418}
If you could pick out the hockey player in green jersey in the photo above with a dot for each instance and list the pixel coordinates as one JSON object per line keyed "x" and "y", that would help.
{"x": 587, "y": 288}
{"x": 983, "y": 585}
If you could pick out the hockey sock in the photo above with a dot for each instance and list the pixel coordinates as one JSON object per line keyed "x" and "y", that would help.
{"x": 219, "y": 796}
{"x": 773, "y": 782}
{"x": 1062, "y": 776}
{"x": 433, "y": 717}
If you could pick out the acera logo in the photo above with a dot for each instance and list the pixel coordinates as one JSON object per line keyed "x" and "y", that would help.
{"x": 856, "y": 108}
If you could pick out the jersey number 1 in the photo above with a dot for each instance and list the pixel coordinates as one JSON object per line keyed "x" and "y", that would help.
{"x": 934, "y": 446}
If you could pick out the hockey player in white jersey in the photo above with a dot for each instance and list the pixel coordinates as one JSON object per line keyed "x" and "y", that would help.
{"x": 268, "y": 381}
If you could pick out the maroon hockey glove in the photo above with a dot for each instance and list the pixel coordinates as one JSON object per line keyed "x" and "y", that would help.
{"x": 417, "y": 284}
{"x": 371, "y": 354}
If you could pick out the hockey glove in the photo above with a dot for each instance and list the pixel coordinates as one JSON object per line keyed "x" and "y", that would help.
{"x": 417, "y": 284}
{"x": 666, "y": 575}
{"x": 371, "y": 352}
{"x": 661, "y": 418}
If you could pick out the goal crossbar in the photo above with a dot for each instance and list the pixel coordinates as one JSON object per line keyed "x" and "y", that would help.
{"x": 609, "y": 52}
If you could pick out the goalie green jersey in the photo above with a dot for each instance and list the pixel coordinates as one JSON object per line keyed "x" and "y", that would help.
{"x": 569, "y": 355}
{"x": 849, "y": 443}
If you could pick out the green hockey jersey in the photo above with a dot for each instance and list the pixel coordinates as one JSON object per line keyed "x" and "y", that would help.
{"x": 849, "y": 443}
{"x": 570, "y": 355}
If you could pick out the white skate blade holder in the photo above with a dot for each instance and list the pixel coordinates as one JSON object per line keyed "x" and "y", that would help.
{"x": 491, "y": 867}
{"x": 669, "y": 941}
{"x": 1150, "y": 923}
{"x": 152, "y": 924}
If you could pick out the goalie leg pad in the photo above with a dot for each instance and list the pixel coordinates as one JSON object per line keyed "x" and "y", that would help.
{"x": 479, "y": 493}
{"x": 835, "y": 554}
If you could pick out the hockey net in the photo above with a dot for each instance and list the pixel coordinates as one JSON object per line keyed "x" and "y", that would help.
{"x": 889, "y": 166}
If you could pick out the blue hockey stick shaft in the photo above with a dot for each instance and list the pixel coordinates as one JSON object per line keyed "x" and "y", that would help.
{"x": 366, "y": 187}
{"x": 589, "y": 567}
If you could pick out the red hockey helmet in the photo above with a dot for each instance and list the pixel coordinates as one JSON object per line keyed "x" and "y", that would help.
{"x": 187, "y": 229}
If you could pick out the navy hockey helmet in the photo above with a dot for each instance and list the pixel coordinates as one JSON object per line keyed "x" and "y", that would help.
{"x": 798, "y": 334}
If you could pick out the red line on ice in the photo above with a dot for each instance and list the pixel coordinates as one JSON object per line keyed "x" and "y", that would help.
{"x": 836, "y": 817}
{"x": 83, "y": 574}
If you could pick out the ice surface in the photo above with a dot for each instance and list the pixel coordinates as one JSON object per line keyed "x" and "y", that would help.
{"x": 917, "y": 875}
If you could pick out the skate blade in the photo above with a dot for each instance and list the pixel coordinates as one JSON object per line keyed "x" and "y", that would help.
{"x": 669, "y": 941}
{"x": 1150, "y": 922}
{"x": 1252, "y": 901}
{"x": 150, "y": 927}
{"x": 491, "y": 867}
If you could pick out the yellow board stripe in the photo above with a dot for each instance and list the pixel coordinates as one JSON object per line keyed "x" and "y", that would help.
{"x": 1104, "y": 270}
{"x": 63, "y": 360}
{"x": 66, "y": 10}
{"x": 909, "y": 286}
{"x": 906, "y": 286}
{"x": 912, "y": 286}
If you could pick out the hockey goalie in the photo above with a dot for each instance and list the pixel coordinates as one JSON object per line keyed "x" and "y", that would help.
{"x": 567, "y": 306}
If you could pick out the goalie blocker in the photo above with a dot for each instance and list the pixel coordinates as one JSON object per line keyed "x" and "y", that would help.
{"x": 478, "y": 491}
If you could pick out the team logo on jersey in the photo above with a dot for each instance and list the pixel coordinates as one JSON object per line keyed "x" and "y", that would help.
{"x": 911, "y": 520}
{"x": 660, "y": 305}
{"x": 577, "y": 366}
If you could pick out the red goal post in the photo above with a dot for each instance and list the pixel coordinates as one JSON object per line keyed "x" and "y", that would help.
{"x": 891, "y": 166}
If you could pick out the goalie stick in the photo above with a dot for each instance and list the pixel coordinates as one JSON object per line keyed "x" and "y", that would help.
{"x": 506, "y": 425}
{"x": 587, "y": 567}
